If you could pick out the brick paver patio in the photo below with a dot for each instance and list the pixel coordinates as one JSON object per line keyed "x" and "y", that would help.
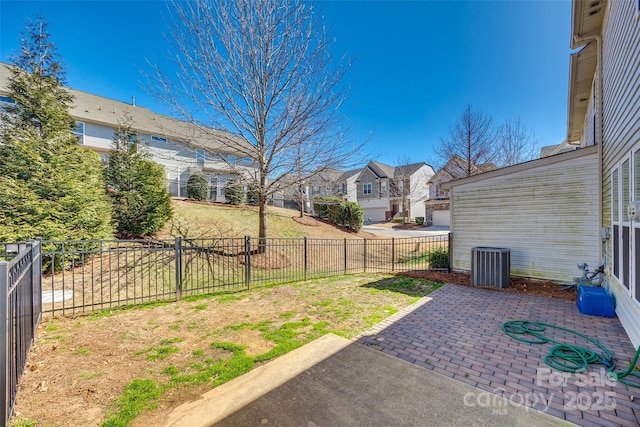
{"x": 458, "y": 334}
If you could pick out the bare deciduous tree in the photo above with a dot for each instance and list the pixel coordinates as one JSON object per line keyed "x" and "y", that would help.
{"x": 517, "y": 143}
{"x": 263, "y": 71}
{"x": 472, "y": 139}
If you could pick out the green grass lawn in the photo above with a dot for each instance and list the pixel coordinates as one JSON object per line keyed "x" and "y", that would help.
{"x": 206, "y": 220}
{"x": 139, "y": 362}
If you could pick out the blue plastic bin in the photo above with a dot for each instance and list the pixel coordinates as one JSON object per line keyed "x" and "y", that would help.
{"x": 595, "y": 301}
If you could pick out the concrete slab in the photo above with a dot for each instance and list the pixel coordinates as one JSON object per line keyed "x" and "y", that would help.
{"x": 335, "y": 382}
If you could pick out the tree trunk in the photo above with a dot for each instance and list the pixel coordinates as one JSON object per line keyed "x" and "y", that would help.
{"x": 262, "y": 225}
{"x": 262, "y": 215}
{"x": 301, "y": 189}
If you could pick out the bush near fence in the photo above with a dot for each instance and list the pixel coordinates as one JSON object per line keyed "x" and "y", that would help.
{"x": 338, "y": 211}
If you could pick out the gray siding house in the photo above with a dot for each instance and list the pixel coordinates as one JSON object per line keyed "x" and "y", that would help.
{"x": 181, "y": 148}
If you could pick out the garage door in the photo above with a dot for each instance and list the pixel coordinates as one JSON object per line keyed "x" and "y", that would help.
{"x": 442, "y": 218}
{"x": 374, "y": 215}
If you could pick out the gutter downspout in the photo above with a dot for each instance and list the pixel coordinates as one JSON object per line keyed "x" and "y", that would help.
{"x": 599, "y": 70}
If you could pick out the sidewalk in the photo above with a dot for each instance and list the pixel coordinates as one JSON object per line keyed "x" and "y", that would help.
{"x": 335, "y": 382}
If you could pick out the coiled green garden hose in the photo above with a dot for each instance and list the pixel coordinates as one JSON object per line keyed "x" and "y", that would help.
{"x": 568, "y": 358}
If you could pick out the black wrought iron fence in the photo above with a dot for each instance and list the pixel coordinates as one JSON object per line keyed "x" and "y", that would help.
{"x": 98, "y": 274}
{"x": 20, "y": 296}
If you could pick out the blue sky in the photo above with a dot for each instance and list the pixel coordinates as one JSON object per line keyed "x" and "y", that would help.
{"x": 418, "y": 63}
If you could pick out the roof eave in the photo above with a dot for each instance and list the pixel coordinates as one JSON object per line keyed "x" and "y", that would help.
{"x": 586, "y": 21}
{"x": 582, "y": 70}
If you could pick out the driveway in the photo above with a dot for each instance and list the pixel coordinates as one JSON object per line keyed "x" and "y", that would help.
{"x": 458, "y": 334}
{"x": 393, "y": 232}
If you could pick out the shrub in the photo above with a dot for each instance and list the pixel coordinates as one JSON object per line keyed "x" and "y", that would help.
{"x": 419, "y": 220}
{"x": 438, "y": 258}
{"x": 338, "y": 211}
{"x": 198, "y": 187}
{"x": 252, "y": 196}
{"x": 354, "y": 216}
{"x": 398, "y": 219}
{"x": 233, "y": 193}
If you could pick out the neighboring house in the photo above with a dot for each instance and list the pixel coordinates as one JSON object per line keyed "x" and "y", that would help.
{"x": 322, "y": 184}
{"x": 437, "y": 209}
{"x": 347, "y": 187}
{"x": 572, "y": 207}
{"x": 181, "y": 148}
{"x": 565, "y": 146}
{"x": 385, "y": 191}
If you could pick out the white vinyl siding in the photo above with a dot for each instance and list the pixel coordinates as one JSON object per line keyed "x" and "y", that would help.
{"x": 545, "y": 213}
{"x": 621, "y": 130}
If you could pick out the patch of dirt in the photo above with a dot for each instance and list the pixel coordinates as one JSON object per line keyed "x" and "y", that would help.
{"x": 307, "y": 220}
{"x": 273, "y": 259}
{"x": 518, "y": 285}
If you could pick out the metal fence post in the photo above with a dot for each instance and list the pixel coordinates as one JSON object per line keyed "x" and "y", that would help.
{"x": 38, "y": 289}
{"x": 365, "y": 256}
{"x": 4, "y": 343}
{"x": 178, "y": 268}
{"x": 450, "y": 251}
{"x": 305, "y": 258}
{"x": 32, "y": 274}
{"x": 247, "y": 261}
{"x": 345, "y": 255}
{"x": 393, "y": 254}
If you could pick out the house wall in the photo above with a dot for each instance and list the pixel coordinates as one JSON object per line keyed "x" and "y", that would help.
{"x": 368, "y": 177}
{"x": 437, "y": 179}
{"x": 419, "y": 186}
{"x": 621, "y": 131}
{"x": 374, "y": 205}
{"x": 544, "y": 211}
{"x": 177, "y": 158}
{"x": 352, "y": 189}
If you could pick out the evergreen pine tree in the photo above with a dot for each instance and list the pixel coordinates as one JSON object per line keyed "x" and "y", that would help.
{"x": 50, "y": 186}
{"x": 137, "y": 186}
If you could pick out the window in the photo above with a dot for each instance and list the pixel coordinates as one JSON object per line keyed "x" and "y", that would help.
{"x": 341, "y": 188}
{"x": 315, "y": 190}
{"x": 79, "y": 132}
{"x": 383, "y": 187}
{"x": 222, "y": 186}
{"x": 158, "y": 139}
{"x": 625, "y": 223}
{"x": 625, "y": 231}
{"x": 615, "y": 216}
{"x": 200, "y": 157}
{"x": 366, "y": 188}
